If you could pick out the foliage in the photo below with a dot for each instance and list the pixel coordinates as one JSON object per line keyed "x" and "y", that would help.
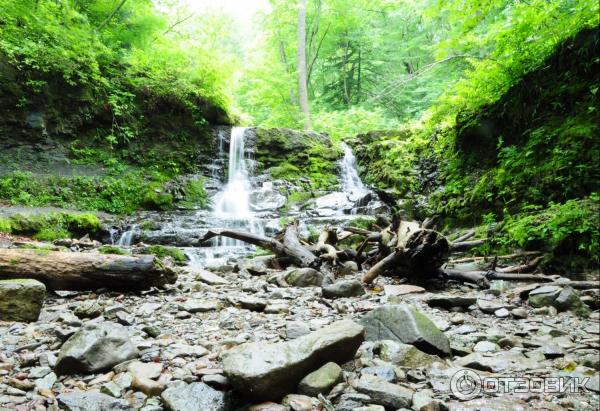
{"x": 119, "y": 193}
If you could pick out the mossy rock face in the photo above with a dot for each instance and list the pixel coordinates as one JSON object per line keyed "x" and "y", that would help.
{"x": 52, "y": 226}
{"x": 291, "y": 155}
{"x": 21, "y": 299}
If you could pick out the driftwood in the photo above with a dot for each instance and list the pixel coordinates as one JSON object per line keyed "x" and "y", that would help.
{"x": 289, "y": 247}
{"x": 409, "y": 250}
{"x": 86, "y": 271}
{"x": 499, "y": 257}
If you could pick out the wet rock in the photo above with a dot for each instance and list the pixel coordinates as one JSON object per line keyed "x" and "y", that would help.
{"x": 321, "y": 381}
{"x": 351, "y": 401}
{"x": 92, "y": 401}
{"x": 451, "y": 301}
{"x": 334, "y": 201}
{"x": 384, "y": 393}
{"x": 21, "y": 300}
{"x": 568, "y": 300}
{"x": 269, "y": 371}
{"x": 304, "y": 277}
{"x": 194, "y": 397}
{"x": 266, "y": 198}
{"x": 343, "y": 288}
{"x": 405, "y": 324}
{"x": 95, "y": 348}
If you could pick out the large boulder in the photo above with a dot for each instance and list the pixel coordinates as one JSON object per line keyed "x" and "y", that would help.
{"x": 269, "y": 371}
{"x": 95, "y": 348}
{"x": 544, "y": 296}
{"x": 21, "y": 300}
{"x": 195, "y": 397}
{"x": 405, "y": 324}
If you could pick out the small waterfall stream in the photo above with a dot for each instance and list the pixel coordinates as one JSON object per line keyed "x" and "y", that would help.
{"x": 126, "y": 237}
{"x": 351, "y": 182}
{"x": 232, "y": 203}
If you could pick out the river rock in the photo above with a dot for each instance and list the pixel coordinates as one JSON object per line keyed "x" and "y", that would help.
{"x": 334, "y": 201}
{"x": 269, "y": 371}
{"x": 95, "y": 348}
{"x": 21, "y": 300}
{"x": 304, "y": 277}
{"x": 343, "y": 288}
{"x": 195, "y": 397}
{"x": 384, "y": 393}
{"x": 405, "y": 324}
{"x": 321, "y": 381}
{"x": 92, "y": 401}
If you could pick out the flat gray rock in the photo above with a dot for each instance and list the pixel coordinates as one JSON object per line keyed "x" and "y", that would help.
{"x": 263, "y": 371}
{"x": 304, "y": 277}
{"x": 407, "y": 325}
{"x": 92, "y": 401}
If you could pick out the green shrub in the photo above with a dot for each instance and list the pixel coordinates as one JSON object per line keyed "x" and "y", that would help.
{"x": 195, "y": 196}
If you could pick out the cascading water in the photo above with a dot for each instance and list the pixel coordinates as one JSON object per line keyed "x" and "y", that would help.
{"x": 351, "y": 182}
{"x": 232, "y": 204}
{"x": 126, "y": 237}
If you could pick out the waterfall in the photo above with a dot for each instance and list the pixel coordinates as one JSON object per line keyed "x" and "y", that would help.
{"x": 351, "y": 182}
{"x": 126, "y": 237}
{"x": 232, "y": 204}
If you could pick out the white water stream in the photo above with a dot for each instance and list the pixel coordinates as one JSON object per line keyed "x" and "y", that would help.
{"x": 232, "y": 203}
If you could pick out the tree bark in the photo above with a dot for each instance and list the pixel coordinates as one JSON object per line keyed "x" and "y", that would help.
{"x": 302, "y": 85}
{"x": 86, "y": 271}
{"x": 111, "y": 15}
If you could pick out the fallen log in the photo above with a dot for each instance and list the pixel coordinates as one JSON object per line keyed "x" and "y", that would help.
{"x": 86, "y": 271}
{"x": 523, "y": 268}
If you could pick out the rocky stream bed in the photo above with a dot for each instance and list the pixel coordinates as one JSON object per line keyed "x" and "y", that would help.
{"x": 237, "y": 332}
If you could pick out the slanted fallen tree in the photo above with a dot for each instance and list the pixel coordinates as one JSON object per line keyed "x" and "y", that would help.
{"x": 86, "y": 271}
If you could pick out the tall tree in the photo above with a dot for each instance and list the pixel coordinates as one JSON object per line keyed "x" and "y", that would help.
{"x": 302, "y": 85}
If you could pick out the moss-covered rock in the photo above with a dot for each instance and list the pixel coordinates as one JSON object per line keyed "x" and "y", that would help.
{"x": 21, "y": 300}
{"x": 161, "y": 252}
{"x": 293, "y": 155}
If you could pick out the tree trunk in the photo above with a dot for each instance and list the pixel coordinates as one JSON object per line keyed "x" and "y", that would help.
{"x": 302, "y": 86}
{"x": 86, "y": 271}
